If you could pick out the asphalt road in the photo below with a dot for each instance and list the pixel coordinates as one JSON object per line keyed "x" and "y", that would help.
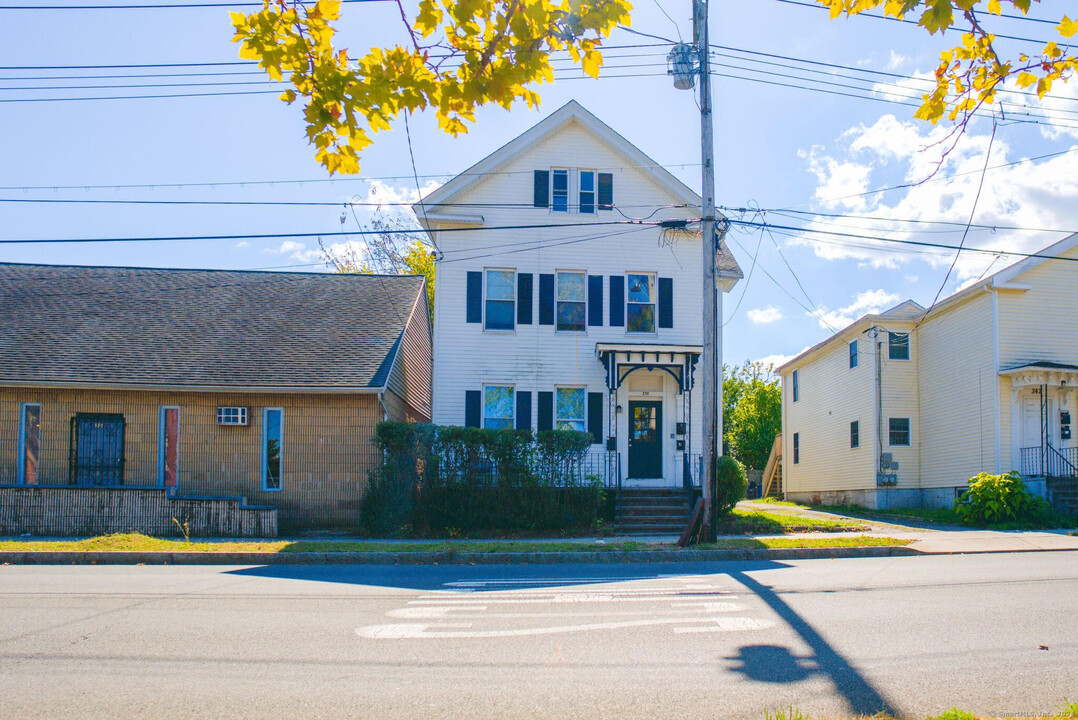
{"x": 912, "y": 636}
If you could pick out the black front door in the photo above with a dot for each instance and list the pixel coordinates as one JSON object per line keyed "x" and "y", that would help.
{"x": 97, "y": 449}
{"x": 645, "y": 439}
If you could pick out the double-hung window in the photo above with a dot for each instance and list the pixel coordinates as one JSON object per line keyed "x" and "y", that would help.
{"x": 853, "y": 354}
{"x": 899, "y": 431}
{"x": 559, "y": 191}
{"x": 795, "y": 386}
{"x": 498, "y": 407}
{"x": 797, "y": 448}
{"x": 855, "y": 434}
{"x": 587, "y": 191}
{"x": 898, "y": 346}
{"x": 272, "y": 438}
{"x": 571, "y": 402}
{"x": 640, "y": 303}
{"x": 572, "y": 300}
{"x": 501, "y": 288}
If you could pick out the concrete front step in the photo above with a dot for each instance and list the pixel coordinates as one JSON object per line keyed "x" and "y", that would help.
{"x": 622, "y": 529}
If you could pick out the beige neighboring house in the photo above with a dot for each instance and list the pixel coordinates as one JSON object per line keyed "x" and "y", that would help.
{"x": 902, "y": 408}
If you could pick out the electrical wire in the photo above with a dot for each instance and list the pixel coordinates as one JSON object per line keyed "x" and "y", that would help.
{"x": 918, "y": 221}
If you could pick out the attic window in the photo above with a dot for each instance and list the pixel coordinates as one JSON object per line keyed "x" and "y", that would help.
{"x": 898, "y": 346}
{"x": 559, "y": 190}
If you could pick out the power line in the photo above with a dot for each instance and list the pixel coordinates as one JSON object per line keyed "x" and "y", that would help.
{"x": 879, "y": 218}
{"x": 275, "y": 236}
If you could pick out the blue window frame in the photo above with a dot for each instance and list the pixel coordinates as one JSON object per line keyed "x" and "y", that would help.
{"x": 796, "y": 389}
{"x": 587, "y": 191}
{"x": 559, "y": 191}
{"x": 572, "y": 300}
{"x": 853, "y": 354}
{"x": 570, "y": 405}
{"x": 501, "y": 291}
{"x": 29, "y": 443}
{"x": 898, "y": 346}
{"x": 499, "y": 405}
{"x": 272, "y": 447}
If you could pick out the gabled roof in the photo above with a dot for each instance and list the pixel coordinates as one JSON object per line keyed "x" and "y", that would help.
{"x": 429, "y": 215}
{"x": 201, "y": 329}
{"x": 911, "y": 310}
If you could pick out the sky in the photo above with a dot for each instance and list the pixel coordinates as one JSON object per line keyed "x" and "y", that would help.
{"x": 797, "y": 159}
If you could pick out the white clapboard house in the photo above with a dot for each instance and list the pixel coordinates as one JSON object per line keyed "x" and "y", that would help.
{"x": 553, "y": 311}
{"x": 903, "y": 407}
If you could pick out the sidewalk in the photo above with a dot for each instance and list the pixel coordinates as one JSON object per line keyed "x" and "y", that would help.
{"x": 941, "y": 539}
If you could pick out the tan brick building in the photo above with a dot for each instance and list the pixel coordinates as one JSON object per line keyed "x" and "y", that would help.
{"x": 210, "y": 383}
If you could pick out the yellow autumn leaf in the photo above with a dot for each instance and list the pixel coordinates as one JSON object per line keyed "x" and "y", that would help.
{"x": 1068, "y": 27}
{"x": 994, "y": 7}
{"x": 1026, "y": 79}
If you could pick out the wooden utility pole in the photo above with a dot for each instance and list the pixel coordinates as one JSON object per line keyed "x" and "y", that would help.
{"x": 711, "y": 378}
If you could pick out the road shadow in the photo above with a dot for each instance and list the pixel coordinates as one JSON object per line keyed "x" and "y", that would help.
{"x": 772, "y": 664}
{"x": 859, "y": 693}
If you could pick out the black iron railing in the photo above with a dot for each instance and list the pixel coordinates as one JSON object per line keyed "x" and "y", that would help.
{"x": 1048, "y": 460}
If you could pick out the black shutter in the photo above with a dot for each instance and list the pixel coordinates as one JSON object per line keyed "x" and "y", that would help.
{"x": 546, "y": 411}
{"x": 540, "y": 196}
{"x": 473, "y": 402}
{"x": 546, "y": 299}
{"x": 666, "y": 302}
{"x": 475, "y": 297}
{"x": 524, "y": 299}
{"x": 595, "y": 417}
{"x": 617, "y": 301}
{"x": 595, "y": 300}
{"x": 524, "y": 410}
{"x": 606, "y": 191}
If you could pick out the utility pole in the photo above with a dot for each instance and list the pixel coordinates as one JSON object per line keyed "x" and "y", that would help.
{"x": 711, "y": 380}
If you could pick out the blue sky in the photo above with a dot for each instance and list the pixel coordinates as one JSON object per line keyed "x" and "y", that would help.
{"x": 778, "y": 148}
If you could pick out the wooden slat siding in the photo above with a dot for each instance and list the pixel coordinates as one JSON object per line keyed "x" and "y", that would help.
{"x": 666, "y": 302}
{"x": 957, "y": 395}
{"x": 410, "y": 377}
{"x": 831, "y": 396}
{"x": 595, "y": 301}
{"x": 1041, "y": 324}
{"x": 327, "y": 449}
{"x": 72, "y": 511}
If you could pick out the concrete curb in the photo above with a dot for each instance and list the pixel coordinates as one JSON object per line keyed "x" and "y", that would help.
{"x": 442, "y": 558}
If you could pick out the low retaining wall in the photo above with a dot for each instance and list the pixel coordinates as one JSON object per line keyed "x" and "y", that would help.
{"x": 70, "y": 511}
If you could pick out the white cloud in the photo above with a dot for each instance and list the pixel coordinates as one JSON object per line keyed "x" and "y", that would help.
{"x": 286, "y": 247}
{"x": 896, "y": 61}
{"x": 765, "y": 316}
{"x": 773, "y": 361}
{"x": 866, "y": 303}
{"x": 243, "y": 244}
{"x": 1026, "y": 195}
{"x": 381, "y": 192}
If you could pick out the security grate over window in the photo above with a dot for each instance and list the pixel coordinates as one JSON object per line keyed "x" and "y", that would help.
{"x": 231, "y": 416}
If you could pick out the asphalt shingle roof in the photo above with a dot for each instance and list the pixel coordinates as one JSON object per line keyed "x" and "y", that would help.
{"x": 200, "y": 328}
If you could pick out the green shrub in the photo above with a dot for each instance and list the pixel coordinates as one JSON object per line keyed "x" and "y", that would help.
{"x": 994, "y": 499}
{"x": 433, "y": 480}
{"x": 730, "y": 484}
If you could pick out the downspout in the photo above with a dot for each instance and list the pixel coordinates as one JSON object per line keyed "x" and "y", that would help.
{"x": 998, "y": 401}
{"x": 382, "y": 402}
{"x": 877, "y": 350}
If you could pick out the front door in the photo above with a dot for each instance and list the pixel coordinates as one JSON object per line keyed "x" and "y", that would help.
{"x": 97, "y": 449}
{"x": 645, "y": 439}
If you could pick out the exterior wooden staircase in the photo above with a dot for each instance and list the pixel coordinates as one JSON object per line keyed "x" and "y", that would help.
{"x": 772, "y": 480}
{"x": 651, "y": 512}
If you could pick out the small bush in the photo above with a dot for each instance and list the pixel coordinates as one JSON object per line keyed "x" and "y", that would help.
{"x": 994, "y": 499}
{"x": 730, "y": 484}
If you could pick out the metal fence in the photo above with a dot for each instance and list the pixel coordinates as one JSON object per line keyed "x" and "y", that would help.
{"x": 1040, "y": 461}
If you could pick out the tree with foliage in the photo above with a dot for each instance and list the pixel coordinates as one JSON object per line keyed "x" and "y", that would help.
{"x": 752, "y": 413}
{"x": 972, "y": 73}
{"x": 460, "y": 55}
{"x": 390, "y": 250}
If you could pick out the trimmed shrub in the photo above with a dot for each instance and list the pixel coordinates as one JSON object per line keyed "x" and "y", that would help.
{"x": 730, "y": 484}
{"x": 457, "y": 480}
{"x": 993, "y": 499}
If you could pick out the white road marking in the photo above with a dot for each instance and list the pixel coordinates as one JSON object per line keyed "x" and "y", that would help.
{"x": 728, "y": 624}
{"x": 418, "y": 631}
{"x": 542, "y": 581}
{"x": 432, "y": 612}
{"x": 710, "y": 607}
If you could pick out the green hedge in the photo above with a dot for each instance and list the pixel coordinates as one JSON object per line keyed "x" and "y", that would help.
{"x": 437, "y": 480}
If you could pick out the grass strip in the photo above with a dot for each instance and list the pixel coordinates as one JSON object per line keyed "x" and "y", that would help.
{"x": 134, "y": 542}
{"x": 760, "y": 522}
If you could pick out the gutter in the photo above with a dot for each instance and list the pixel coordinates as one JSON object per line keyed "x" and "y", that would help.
{"x": 49, "y": 384}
